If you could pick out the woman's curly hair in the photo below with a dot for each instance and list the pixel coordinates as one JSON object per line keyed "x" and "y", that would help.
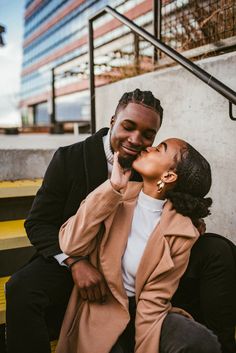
{"x": 193, "y": 183}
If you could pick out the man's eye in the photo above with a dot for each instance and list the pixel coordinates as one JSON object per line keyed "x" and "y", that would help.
{"x": 127, "y": 127}
{"x": 148, "y": 136}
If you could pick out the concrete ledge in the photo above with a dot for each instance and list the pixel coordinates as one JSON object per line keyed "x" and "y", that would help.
{"x": 24, "y": 164}
{"x": 27, "y": 156}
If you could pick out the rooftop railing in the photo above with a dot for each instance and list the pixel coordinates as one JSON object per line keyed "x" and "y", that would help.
{"x": 204, "y": 76}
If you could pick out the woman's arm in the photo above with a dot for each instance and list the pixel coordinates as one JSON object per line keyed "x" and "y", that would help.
{"x": 77, "y": 235}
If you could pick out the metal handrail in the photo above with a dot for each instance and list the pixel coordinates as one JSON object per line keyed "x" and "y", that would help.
{"x": 204, "y": 76}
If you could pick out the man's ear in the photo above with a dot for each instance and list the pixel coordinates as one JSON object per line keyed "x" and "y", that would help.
{"x": 169, "y": 177}
{"x": 112, "y": 122}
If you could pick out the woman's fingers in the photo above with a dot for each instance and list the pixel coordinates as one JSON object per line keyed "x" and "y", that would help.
{"x": 119, "y": 176}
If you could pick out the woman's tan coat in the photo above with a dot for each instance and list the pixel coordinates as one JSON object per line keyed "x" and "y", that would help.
{"x": 100, "y": 228}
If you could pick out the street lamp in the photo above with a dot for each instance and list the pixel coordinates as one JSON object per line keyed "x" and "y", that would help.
{"x": 2, "y": 30}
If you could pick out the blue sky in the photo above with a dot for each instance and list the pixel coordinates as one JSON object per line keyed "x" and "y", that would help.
{"x": 11, "y": 17}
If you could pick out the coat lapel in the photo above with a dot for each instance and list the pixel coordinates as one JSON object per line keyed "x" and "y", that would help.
{"x": 157, "y": 258}
{"x": 113, "y": 246}
{"x": 95, "y": 160}
{"x": 173, "y": 223}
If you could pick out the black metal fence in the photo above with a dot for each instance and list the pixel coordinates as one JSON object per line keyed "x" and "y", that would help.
{"x": 180, "y": 24}
{"x": 211, "y": 81}
{"x": 188, "y": 24}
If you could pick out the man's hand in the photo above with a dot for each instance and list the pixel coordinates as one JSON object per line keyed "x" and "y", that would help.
{"x": 200, "y": 225}
{"x": 119, "y": 176}
{"x": 89, "y": 281}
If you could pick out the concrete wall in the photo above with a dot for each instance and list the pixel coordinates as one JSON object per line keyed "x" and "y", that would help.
{"x": 195, "y": 112}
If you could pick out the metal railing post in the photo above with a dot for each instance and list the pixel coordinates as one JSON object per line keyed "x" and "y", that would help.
{"x": 157, "y": 6}
{"x": 53, "y": 110}
{"x": 136, "y": 52}
{"x": 92, "y": 78}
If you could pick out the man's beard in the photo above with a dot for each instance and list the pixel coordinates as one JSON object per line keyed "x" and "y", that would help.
{"x": 126, "y": 162}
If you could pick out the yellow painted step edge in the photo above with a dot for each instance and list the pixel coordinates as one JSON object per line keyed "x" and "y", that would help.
{"x": 53, "y": 346}
{"x": 3, "y": 280}
{"x": 19, "y": 188}
{"x": 13, "y": 235}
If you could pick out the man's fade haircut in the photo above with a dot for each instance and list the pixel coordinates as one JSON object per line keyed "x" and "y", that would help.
{"x": 145, "y": 98}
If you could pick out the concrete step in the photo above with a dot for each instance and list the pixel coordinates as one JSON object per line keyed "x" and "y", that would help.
{"x": 19, "y": 188}
{"x": 13, "y": 235}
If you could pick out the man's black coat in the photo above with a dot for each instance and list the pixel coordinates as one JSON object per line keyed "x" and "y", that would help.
{"x": 74, "y": 172}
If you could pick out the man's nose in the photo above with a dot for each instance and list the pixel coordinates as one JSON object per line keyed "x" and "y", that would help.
{"x": 135, "y": 138}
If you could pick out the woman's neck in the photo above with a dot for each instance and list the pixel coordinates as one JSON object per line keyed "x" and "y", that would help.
{"x": 151, "y": 190}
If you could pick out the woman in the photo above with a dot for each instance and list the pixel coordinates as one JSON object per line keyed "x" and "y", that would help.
{"x": 139, "y": 235}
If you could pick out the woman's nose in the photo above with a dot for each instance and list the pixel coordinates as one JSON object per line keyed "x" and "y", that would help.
{"x": 150, "y": 149}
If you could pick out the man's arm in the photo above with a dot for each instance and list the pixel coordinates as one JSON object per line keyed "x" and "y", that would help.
{"x": 45, "y": 217}
{"x": 44, "y": 222}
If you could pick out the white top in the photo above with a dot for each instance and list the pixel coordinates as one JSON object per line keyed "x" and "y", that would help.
{"x": 147, "y": 214}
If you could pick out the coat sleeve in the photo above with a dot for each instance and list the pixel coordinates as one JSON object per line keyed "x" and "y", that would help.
{"x": 77, "y": 236}
{"x": 45, "y": 218}
{"x": 154, "y": 300}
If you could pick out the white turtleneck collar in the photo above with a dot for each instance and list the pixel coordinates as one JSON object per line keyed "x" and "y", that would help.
{"x": 150, "y": 203}
{"x": 108, "y": 152}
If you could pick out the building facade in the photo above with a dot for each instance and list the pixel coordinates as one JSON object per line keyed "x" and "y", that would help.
{"x": 56, "y": 37}
{"x": 55, "y": 47}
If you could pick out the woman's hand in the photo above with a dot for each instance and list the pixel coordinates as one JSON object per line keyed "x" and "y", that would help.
{"x": 119, "y": 176}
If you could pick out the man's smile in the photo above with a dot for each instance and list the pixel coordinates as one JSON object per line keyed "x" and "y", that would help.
{"x": 130, "y": 150}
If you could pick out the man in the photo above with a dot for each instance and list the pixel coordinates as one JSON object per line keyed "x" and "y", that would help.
{"x": 38, "y": 294}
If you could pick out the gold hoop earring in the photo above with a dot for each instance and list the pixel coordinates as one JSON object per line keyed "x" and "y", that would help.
{"x": 160, "y": 186}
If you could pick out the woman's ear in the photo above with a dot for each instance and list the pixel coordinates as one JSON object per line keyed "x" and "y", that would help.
{"x": 169, "y": 177}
